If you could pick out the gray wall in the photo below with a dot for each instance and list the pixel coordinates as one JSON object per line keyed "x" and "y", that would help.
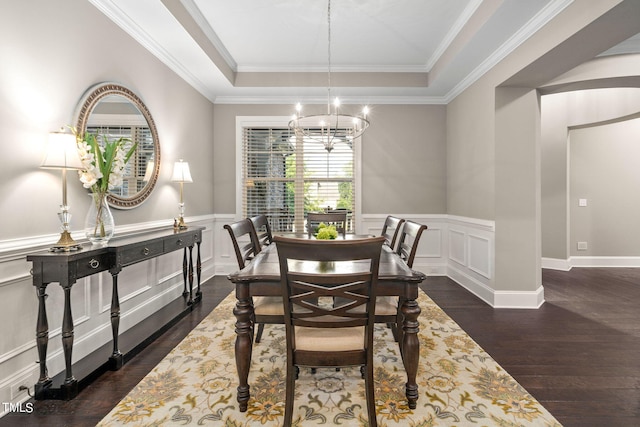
{"x": 49, "y": 59}
{"x": 589, "y": 111}
{"x": 51, "y": 53}
{"x": 486, "y": 177}
{"x": 403, "y": 157}
{"x": 605, "y": 170}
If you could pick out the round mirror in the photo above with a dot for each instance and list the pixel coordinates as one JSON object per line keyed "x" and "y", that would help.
{"x": 114, "y": 111}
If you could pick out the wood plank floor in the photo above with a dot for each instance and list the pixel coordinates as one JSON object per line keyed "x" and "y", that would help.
{"x": 577, "y": 354}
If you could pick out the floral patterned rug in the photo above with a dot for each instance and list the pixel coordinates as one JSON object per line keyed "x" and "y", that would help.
{"x": 459, "y": 383}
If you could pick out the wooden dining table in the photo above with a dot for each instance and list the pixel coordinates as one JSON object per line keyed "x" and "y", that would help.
{"x": 261, "y": 277}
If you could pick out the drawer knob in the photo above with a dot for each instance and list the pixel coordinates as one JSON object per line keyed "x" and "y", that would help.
{"x": 94, "y": 263}
{"x": 145, "y": 251}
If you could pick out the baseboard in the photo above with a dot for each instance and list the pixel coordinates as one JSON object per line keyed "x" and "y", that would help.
{"x": 591, "y": 261}
{"x": 556, "y": 264}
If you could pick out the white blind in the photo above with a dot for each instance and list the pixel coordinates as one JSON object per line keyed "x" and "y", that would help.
{"x": 284, "y": 177}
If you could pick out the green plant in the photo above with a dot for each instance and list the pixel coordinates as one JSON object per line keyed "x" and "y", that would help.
{"x": 326, "y": 232}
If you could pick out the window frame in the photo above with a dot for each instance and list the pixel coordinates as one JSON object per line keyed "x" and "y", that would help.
{"x": 283, "y": 122}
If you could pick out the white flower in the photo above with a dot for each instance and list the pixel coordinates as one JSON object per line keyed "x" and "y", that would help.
{"x": 97, "y": 175}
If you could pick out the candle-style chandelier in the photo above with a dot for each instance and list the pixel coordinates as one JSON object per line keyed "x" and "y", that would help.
{"x": 333, "y": 126}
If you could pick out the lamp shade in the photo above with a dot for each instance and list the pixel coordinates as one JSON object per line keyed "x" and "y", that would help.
{"x": 181, "y": 172}
{"x": 62, "y": 152}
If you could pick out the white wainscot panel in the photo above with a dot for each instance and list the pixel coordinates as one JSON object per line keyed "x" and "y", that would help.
{"x": 132, "y": 281}
{"x": 430, "y": 245}
{"x": 457, "y": 252}
{"x": 479, "y": 250}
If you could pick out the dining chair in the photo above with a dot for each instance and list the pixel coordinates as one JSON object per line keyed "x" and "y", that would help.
{"x": 267, "y": 310}
{"x": 338, "y": 219}
{"x": 262, "y": 229}
{"x": 390, "y": 230}
{"x": 320, "y": 333}
{"x": 388, "y": 307}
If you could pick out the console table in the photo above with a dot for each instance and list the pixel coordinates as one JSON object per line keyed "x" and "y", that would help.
{"x": 66, "y": 267}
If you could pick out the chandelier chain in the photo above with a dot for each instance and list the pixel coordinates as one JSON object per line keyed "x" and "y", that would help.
{"x": 329, "y": 57}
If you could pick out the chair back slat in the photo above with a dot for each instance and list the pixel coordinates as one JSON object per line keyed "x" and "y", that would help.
{"x": 409, "y": 239}
{"x": 390, "y": 230}
{"x": 350, "y": 295}
{"x": 262, "y": 229}
{"x": 245, "y": 250}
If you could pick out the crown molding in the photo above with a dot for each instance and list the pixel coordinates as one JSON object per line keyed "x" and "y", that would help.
{"x": 370, "y": 100}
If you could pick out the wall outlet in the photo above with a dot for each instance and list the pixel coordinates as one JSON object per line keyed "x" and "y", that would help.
{"x": 582, "y": 246}
{"x": 25, "y": 381}
{"x": 582, "y": 202}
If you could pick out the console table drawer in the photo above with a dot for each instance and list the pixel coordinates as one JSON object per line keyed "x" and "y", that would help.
{"x": 182, "y": 241}
{"x": 140, "y": 253}
{"x": 92, "y": 265}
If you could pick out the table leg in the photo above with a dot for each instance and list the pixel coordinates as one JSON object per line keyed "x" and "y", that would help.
{"x": 42, "y": 340}
{"x": 411, "y": 348}
{"x": 244, "y": 342}
{"x": 185, "y": 273}
{"x": 116, "y": 359}
{"x": 70, "y": 385}
{"x": 199, "y": 272}
{"x": 190, "y": 269}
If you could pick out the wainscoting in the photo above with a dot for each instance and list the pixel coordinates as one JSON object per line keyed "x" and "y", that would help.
{"x": 144, "y": 288}
{"x": 457, "y": 247}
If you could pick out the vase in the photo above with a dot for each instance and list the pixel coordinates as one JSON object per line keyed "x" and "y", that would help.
{"x": 99, "y": 225}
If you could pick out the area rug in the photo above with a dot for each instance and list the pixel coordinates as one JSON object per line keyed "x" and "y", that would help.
{"x": 459, "y": 383}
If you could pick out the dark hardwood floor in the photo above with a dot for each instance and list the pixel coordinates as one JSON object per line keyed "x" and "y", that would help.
{"x": 577, "y": 354}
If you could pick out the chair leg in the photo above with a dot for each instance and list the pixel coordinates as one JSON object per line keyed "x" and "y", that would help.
{"x": 260, "y": 330}
{"x": 370, "y": 396}
{"x": 289, "y": 394}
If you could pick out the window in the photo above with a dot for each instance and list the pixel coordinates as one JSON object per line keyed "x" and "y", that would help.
{"x": 285, "y": 178}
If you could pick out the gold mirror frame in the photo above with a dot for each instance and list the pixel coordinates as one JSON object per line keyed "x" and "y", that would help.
{"x": 89, "y": 101}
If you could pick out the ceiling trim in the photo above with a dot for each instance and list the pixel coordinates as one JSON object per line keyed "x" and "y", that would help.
{"x": 201, "y": 21}
{"x": 347, "y": 100}
{"x": 529, "y": 29}
{"x": 453, "y": 33}
{"x": 122, "y": 20}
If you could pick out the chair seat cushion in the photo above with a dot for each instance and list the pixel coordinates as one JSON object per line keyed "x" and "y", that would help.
{"x": 386, "y": 306}
{"x": 329, "y": 339}
{"x": 268, "y": 306}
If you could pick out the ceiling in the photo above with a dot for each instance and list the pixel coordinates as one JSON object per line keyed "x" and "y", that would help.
{"x": 382, "y": 51}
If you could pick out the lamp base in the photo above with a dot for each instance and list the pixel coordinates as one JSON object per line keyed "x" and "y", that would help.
{"x": 65, "y": 244}
{"x": 178, "y": 224}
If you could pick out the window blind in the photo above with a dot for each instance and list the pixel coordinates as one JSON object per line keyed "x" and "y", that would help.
{"x": 285, "y": 177}
{"x": 135, "y": 169}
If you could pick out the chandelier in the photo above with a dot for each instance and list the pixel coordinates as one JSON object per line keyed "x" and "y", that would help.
{"x": 333, "y": 126}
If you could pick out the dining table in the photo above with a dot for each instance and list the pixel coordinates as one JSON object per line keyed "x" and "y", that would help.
{"x": 261, "y": 277}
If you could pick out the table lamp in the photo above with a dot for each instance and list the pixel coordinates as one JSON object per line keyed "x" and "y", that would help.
{"x": 62, "y": 153}
{"x": 181, "y": 174}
